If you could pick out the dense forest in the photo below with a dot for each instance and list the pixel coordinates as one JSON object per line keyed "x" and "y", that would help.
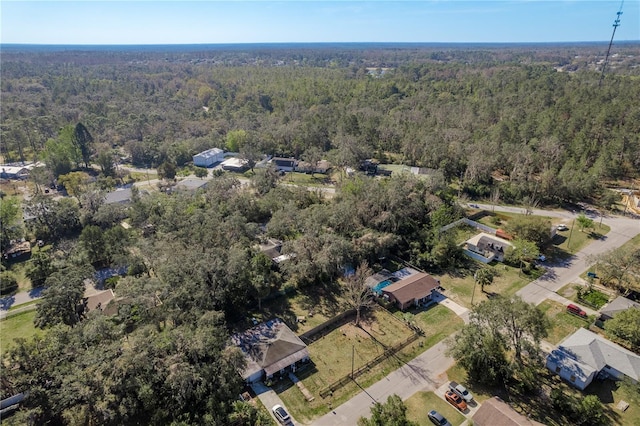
{"x": 534, "y": 123}
{"x": 533, "y": 120}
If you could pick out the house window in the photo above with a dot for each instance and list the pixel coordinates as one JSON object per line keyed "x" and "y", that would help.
{"x": 573, "y": 378}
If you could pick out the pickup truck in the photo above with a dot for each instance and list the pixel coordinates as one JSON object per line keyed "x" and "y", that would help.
{"x": 461, "y": 390}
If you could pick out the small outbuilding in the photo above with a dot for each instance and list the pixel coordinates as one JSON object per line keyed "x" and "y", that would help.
{"x": 208, "y": 158}
{"x": 235, "y": 164}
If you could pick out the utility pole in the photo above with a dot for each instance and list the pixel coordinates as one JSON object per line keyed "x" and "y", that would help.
{"x": 570, "y": 232}
{"x": 616, "y": 24}
{"x": 353, "y": 352}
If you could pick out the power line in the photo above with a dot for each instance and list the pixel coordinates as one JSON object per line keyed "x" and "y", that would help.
{"x": 616, "y": 24}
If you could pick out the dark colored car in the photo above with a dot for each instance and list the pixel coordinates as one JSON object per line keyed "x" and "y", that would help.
{"x": 438, "y": 419}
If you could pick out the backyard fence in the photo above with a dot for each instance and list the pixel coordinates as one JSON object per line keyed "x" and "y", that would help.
{"x": 318, "y": 331}
{"x": 386, "y": 354}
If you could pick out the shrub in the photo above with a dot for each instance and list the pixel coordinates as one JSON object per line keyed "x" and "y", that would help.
{"x": 8, "y": 282}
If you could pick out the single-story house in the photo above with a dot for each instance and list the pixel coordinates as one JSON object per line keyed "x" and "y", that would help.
{"x": 619, "y": 304}
{"x": 321, "y": 166}
{"x": 98, "y": 301}
{"x": 270, "y": 348}
{"x": 488, "y": 246}
{"x": 583, "y": 355}
{"x": 18, "y": 250}
{"x": 284, "y": 164}
{"x": 119, "y": 196}
{"x": 14, "y": 172}
{"x": 191, "y": 184}
{"x": 495, "y": 411}
{"x": 272, "y": 248}
{"x": 413, "y": 290}
{"x": 208, "y": 158}
{"x": 235, "y": 164}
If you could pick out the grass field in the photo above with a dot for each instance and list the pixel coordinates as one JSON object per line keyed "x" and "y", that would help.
{"x": 562, "y": 323}
{"x": 332, "y": 357}
{"x": 422, "y": 402}
{"x": 573, "y": 240}
{"x": 507, "y": 281}
{"x": 19, "y": 325}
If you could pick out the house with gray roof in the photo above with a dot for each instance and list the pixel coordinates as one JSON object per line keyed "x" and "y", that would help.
{"x": 488, "y": 247}
{"x": 118, "y": 196}
{"x": 270, "y": 348}
{"x": 619, "y": 304}
{"x": 583, "y": 355}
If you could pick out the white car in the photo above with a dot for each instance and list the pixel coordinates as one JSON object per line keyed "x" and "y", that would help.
{"x": 562, "y": 227}
{"x": 461, "y": 391}
{"x": 281, "y": 414}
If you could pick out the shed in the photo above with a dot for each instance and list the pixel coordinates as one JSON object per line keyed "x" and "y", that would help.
{"x": 208, "y": 158}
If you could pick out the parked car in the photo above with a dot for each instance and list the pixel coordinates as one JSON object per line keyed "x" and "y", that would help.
{"x": 461, "y": 390}
{"x": 562, "y": 227}
{"x": 281, "y": 414}
{"x": 455, "y": 400}
{"x": 573, "y": 309}
{"x": 438, "y": 419}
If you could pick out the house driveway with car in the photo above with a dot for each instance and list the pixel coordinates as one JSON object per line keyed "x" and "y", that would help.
{"x": 269, "y": 398}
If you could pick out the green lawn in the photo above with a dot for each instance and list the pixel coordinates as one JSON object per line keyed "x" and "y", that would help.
{"x": 611, "y": 393}
{"x": 507, "y": 281}
{"x": 573, "y": 240}
{"x": 422, "y": 402}
{"x": 332, "y": 357}
{"x": 19, "y": 325}
{"x": 304, "y": 179}
{"x": 562, "y": 323}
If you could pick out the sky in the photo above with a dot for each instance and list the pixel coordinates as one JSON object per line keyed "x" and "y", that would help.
{"x": 304, "y": 21}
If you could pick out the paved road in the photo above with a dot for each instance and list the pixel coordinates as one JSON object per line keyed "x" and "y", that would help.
{"x": 19, "y": 299}
{"x": 427, "y": 371}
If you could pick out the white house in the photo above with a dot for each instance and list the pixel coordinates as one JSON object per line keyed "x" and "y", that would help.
{"x": 583, "y": 355}
{"x": 208, "y": 158}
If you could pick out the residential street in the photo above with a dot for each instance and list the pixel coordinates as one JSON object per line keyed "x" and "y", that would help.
{"x": 427, "y": 371}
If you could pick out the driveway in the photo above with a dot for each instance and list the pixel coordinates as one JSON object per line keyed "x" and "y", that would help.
{"x": 269, "y": 398}
{"x": 427, "y": 372}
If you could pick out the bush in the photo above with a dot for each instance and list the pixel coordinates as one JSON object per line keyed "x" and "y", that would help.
{"x": 8, "y": 282}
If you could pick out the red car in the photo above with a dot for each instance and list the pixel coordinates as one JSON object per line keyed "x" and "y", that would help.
{"x": 573, "y": 309}
{"x": 455, "y": 400}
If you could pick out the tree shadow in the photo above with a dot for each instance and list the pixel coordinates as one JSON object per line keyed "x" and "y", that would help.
{"x": 7, "y": 302}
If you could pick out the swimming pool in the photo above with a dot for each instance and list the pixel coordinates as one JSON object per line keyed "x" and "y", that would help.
{"x": 377, "y": 289}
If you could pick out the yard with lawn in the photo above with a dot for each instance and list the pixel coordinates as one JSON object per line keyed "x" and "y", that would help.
{"x": 611, "y": 393}
{"x": 573, "y": 239}
{"x": 506, "y": 282}
{"x": 562, "y": 322}
{"x": 19, "y": 325}
{"x": 332, "y": 356}
{"x": 419, "y": 405}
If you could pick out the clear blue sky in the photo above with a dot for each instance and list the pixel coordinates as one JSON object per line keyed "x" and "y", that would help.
{"x": 176, "y": 22}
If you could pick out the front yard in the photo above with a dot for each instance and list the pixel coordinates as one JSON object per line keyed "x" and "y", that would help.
{"x": 19, "y": 325}
{"x": 563, "y": 323}
{"x": 419, "y": 405}
{"x": 507, "y": 281}
{"x": 333, "y": 354}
